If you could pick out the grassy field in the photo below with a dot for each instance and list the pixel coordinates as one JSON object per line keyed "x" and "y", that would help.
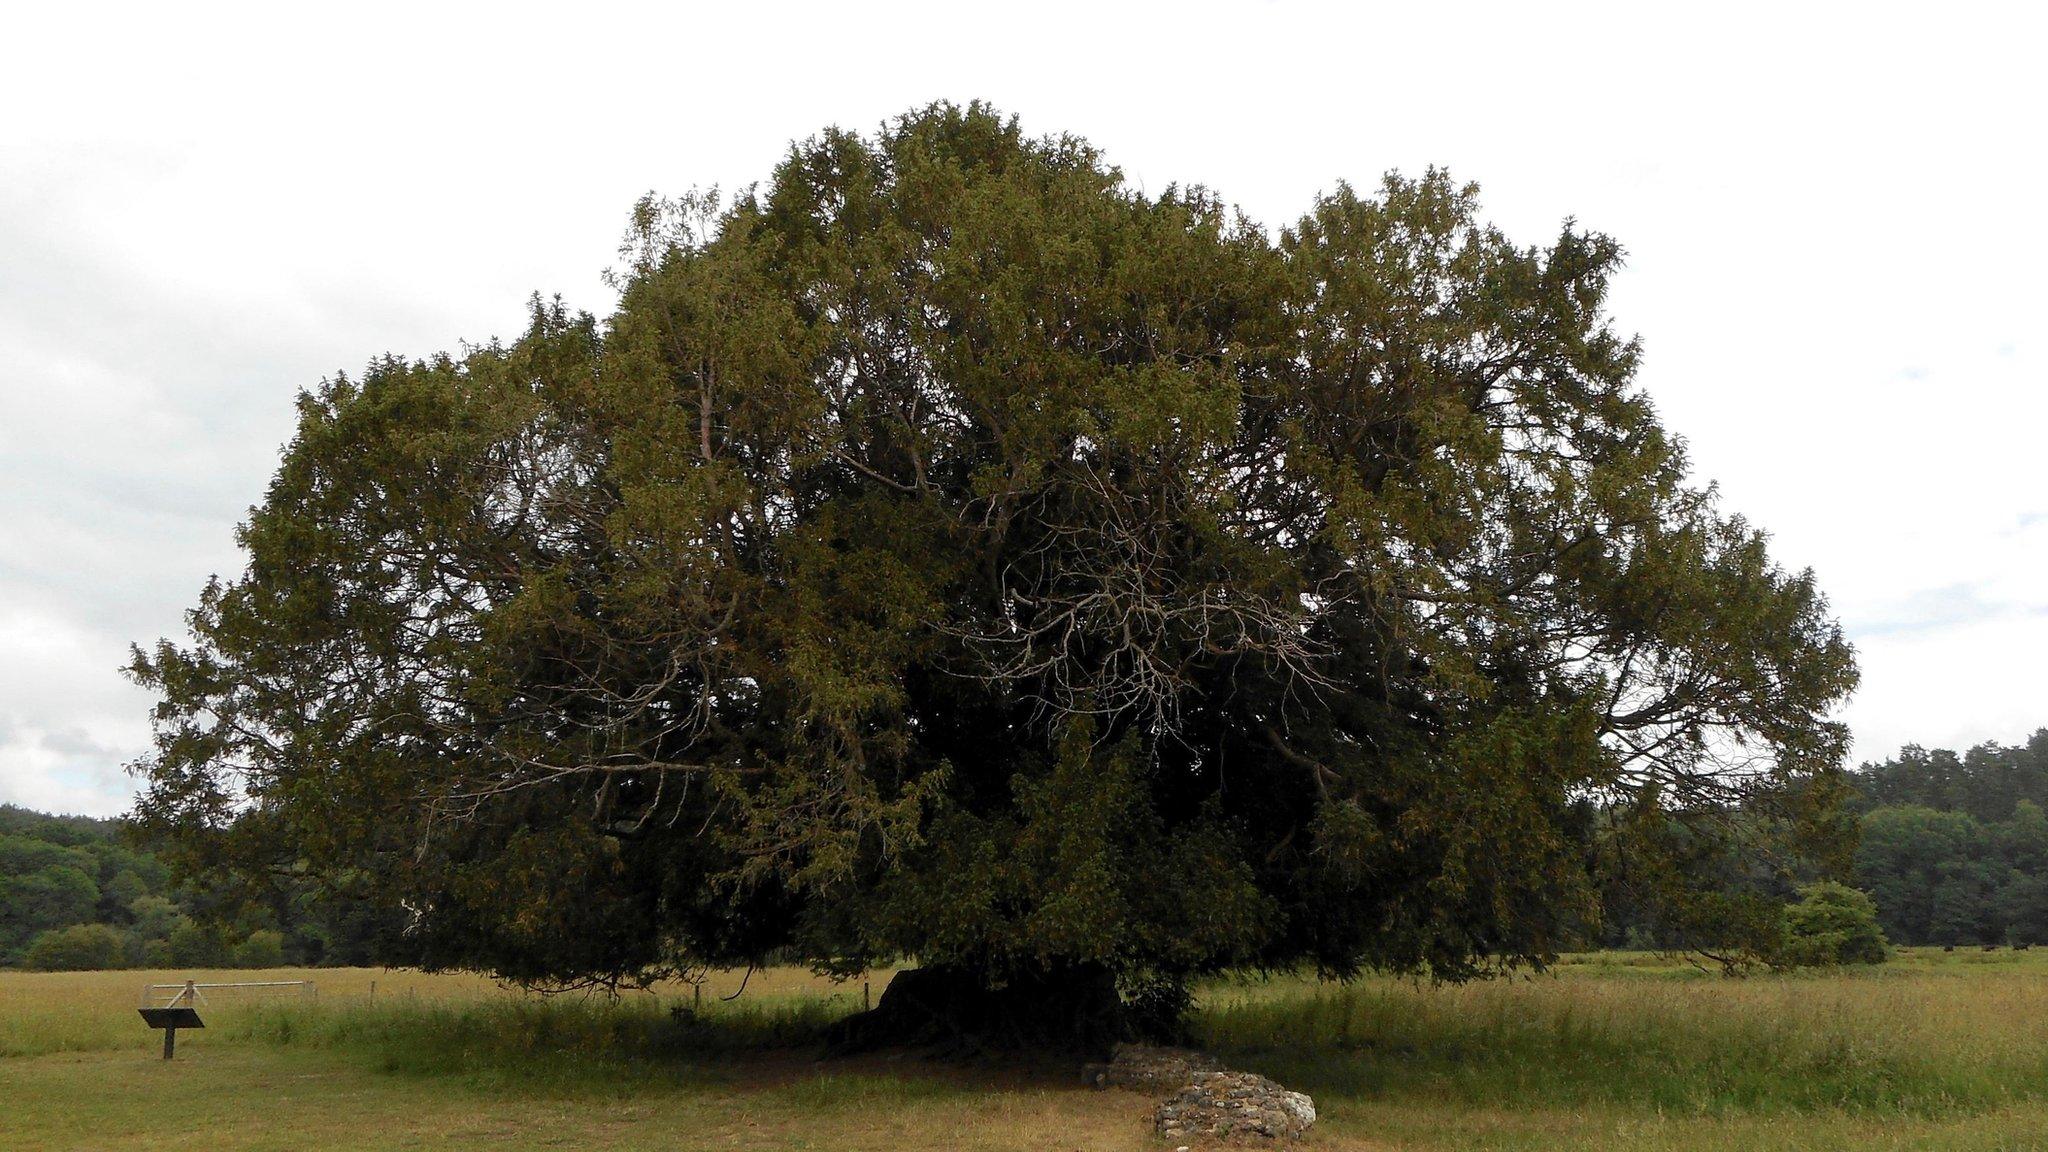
{"x": 1608, "y": 1052}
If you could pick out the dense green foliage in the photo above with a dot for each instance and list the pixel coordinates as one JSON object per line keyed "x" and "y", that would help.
{"x": 1954, "y": 848}
{"x": 79, "y": 948}
{"x": 1832, "y": 924}
{"x": 77, "y": 893}
{"x": 1665, "y": 886}
{"x": 950, "y": 551}
{"x": 59, "y": 875}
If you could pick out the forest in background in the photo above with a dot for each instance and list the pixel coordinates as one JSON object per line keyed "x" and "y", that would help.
{"x": 78, "y": 893}
{"x": 1953, "y": 850}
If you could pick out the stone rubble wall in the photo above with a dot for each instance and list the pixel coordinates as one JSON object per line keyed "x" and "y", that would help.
{"x": 1207, "y": 1099}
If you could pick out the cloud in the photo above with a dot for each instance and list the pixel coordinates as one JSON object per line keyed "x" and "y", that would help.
{"x": 1935, "y": 609}
{"x": 68, "y": 722}
{"x": 68, "y": 771}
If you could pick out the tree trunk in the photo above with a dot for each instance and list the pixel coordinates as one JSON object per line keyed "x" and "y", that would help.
{"x": 953, "y": 1012}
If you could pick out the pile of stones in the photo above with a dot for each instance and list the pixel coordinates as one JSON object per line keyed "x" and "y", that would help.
{"x": 1207, "y": 1100}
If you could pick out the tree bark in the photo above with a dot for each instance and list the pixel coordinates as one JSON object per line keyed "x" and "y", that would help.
{"x": 950, "y": 1011}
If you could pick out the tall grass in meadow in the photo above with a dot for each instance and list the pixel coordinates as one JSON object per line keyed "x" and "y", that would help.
{"x": 50, "y": 1012}
{"x": 1918, "y": 1044}
{"x": 572, "y": 1043}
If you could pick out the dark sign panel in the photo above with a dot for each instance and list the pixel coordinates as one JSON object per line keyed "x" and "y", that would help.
{"x": 171, "y": 1017}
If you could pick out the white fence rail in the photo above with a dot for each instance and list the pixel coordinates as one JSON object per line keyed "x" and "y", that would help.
{"x": 192, "y": 993}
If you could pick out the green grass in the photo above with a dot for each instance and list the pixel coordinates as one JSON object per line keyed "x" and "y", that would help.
{"x": 1609, "y": 1052}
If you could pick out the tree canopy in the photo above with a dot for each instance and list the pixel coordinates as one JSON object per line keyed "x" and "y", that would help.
{"x": 951, "y": 551}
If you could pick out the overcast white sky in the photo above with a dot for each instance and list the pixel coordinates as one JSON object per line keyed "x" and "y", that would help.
{"x": 1834, "y": 219}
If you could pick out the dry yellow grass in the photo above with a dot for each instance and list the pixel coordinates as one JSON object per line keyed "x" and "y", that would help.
{"x": 95, "y": 1011}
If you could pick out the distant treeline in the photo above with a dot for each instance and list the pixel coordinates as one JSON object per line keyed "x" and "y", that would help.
{"x": 75, "y": 893}
{"x": 1954, "y": 848}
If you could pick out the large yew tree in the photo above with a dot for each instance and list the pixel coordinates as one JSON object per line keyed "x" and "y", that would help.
{"x": 950, "y": 552}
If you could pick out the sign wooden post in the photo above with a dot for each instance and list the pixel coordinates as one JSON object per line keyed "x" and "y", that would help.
{"x": 170, "y": 1020}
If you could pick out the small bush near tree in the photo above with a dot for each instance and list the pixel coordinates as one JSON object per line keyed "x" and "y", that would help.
{"x": 192, "y": 945}
{"x": 79, "y": 948}
{"x": 1832, "y": 924}
{"x": 263, "y": 949}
